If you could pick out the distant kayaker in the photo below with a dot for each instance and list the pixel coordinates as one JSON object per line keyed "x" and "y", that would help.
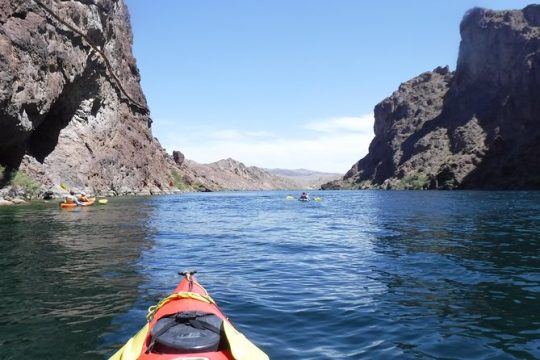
{"x": 82, "y": 197}
{"x": 304, "y": 197}
{"x": 72, "y": 199}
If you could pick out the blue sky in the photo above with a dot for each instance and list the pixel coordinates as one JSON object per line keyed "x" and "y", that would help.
{"x": 285, "y": 83}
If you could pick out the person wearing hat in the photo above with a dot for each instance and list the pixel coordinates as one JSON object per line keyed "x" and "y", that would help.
{"x": 82, "y": 197}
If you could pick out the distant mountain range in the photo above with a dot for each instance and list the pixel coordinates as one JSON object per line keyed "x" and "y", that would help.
{"x": 230, "y": 174}
{"x": 305, "y": 179}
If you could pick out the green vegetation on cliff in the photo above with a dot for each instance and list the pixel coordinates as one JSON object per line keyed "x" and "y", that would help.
{"x": 22, "y": 183}
{"x": 178, "y": 181}
{"x": 413, "y": 182}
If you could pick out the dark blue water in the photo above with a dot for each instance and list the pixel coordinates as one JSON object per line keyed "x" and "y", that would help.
{"x": 360, "y": 275}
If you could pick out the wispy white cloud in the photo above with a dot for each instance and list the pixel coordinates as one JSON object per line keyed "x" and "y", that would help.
{"x": 362, "y": 124}
{"x": 332, "y": 145}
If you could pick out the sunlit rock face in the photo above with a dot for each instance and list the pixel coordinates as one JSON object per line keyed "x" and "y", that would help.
{"x": 71, "y": 106}
{"x": 477, "y": 127}
{"x": 229, "y": 174}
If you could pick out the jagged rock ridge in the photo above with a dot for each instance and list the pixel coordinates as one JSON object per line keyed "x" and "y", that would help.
{"x": 230, "y": 174}
{"x": 71, "y": 106}
{"x": 478, "y": 127}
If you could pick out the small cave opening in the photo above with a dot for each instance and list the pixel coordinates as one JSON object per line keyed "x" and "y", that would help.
{"x": 45, "y": 137}
{"x": 10, "y": 160}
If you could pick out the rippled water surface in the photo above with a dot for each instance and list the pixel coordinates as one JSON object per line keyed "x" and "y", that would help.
{"x": 360, "y": 275}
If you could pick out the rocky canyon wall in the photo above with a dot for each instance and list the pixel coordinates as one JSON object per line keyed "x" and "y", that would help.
{"x": 477, "y": 127}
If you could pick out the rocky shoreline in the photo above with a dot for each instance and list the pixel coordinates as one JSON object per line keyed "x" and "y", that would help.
{"x": 10, "y": 201}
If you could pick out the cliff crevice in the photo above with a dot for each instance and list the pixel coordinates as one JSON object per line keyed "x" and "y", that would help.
{"x": 96, "y": 40}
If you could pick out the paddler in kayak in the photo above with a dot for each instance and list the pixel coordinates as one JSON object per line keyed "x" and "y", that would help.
{"x": 82, "y": 197}
{"x": 304, "y": 197}
{"x": 72, "y": 199}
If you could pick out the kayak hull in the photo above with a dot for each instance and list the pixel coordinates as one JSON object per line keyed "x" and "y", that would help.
{"x": 188, "y": 325}
{"x": 90, "y": 202}
{"x": 185, "y": 305}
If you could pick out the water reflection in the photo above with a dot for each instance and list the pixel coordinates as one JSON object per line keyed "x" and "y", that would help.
{"x": 65, "y": 274}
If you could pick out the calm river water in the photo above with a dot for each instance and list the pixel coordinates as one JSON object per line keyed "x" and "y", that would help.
{"x": 360, "y": 275}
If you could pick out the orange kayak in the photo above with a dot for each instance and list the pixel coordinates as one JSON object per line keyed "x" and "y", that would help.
{"x": 188, "y": 325}
{"x": 72, "y": 205}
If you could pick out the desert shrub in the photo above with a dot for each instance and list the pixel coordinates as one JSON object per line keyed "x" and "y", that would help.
{"x": 178, "y": 180}
{"x": 415, "y": 182}
{"x": 25, "y": 183}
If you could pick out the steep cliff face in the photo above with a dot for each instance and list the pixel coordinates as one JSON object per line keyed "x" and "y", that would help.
{"x": 478, "y": 127}
{"x": 71, "y": 106}
{"x": 397, "y": 122}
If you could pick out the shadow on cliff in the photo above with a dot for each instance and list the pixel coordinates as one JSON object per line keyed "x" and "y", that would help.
{"x": 43, "y": 140}
{"x": 45, "y": 137}
{"x": 504, "y": 168}
{"x": 467, "y": 100}
{"x": 512, "y": 160}
{"x": 459, "y": 107}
